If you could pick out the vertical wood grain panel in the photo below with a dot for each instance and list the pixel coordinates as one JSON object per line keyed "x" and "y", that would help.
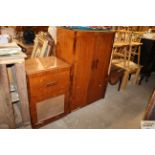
{"x": 6, "y": 108}
{"x": 22, "y": 90}
{"x": 99, "y": 75}
{"x": 82, "y": 72}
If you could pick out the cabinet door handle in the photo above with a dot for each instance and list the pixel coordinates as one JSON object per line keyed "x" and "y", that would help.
{"x": 51, "y": 84}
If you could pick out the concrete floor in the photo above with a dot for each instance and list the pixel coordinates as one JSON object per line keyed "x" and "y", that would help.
{"x": 116, "y": 111}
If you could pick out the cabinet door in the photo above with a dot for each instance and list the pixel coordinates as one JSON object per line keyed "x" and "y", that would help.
{"x": 82, "y": 68}
{"x": 101, "y": 60}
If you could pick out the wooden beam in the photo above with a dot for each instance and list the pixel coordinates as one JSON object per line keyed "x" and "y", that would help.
{"x": 22, "y": 90}
{"x": 6, "y": 108}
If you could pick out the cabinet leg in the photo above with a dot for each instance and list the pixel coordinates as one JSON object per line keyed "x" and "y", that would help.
{"x": 22, "y": 90}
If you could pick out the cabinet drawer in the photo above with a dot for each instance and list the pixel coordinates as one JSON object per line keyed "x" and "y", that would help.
{"x": 48, "y": 84}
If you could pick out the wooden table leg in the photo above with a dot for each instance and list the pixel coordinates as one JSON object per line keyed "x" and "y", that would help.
{"x": 6, "y": 109}
{"x": 22, "y": 90}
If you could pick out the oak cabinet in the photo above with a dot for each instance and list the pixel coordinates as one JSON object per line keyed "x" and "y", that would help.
{"x": 89, "y": 54}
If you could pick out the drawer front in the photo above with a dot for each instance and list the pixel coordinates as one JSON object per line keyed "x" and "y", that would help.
{"x": 48, "y": 84}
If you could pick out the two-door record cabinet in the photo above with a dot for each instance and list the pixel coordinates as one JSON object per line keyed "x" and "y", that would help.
{"x": 88, "y": 52}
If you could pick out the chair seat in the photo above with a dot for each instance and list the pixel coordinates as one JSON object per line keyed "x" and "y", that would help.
{"x": 131, "y": 66}
{"x": 116, "y": 61}
{"x": 135, "y": 44}
{"x": 120, "y": 44}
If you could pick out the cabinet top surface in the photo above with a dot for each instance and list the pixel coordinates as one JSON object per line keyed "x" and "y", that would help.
{"x": 87, "y": 30}
{"x": 36, "y": 65}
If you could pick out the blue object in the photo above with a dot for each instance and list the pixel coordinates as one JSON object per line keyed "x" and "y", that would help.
{"x": 89, "y": 28}
{"x": 81, "y": 27}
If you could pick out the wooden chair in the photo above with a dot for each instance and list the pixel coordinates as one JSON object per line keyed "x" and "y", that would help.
{"x": 43, "y": 45}
{"x": 122, "y": 37}
{"x": 124, "y": 57}
{"x": 136, "y": 36}
{"x": 119, "y": 52}
{"x": 121, "y": 46}
{"x": 135, "y": 51}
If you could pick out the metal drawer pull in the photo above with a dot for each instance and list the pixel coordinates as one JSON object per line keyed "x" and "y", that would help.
{"x": 51, "y": 84}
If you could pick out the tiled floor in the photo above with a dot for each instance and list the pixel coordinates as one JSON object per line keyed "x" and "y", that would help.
{"x": 117, "y": 110}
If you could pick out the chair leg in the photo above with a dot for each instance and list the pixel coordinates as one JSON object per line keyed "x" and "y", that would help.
{"x": 129, "y": 76}
{"x": 119, "y": 86}
{"x": 124, "y": 81}
{"x": 136, "y": 79}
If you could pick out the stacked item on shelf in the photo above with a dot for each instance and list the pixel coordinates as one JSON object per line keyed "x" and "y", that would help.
{"x": 43, "y": 45}
{"x": 9, "y": 49}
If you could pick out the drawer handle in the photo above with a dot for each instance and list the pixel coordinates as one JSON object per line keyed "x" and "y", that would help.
{"x": 51, "y": 84}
